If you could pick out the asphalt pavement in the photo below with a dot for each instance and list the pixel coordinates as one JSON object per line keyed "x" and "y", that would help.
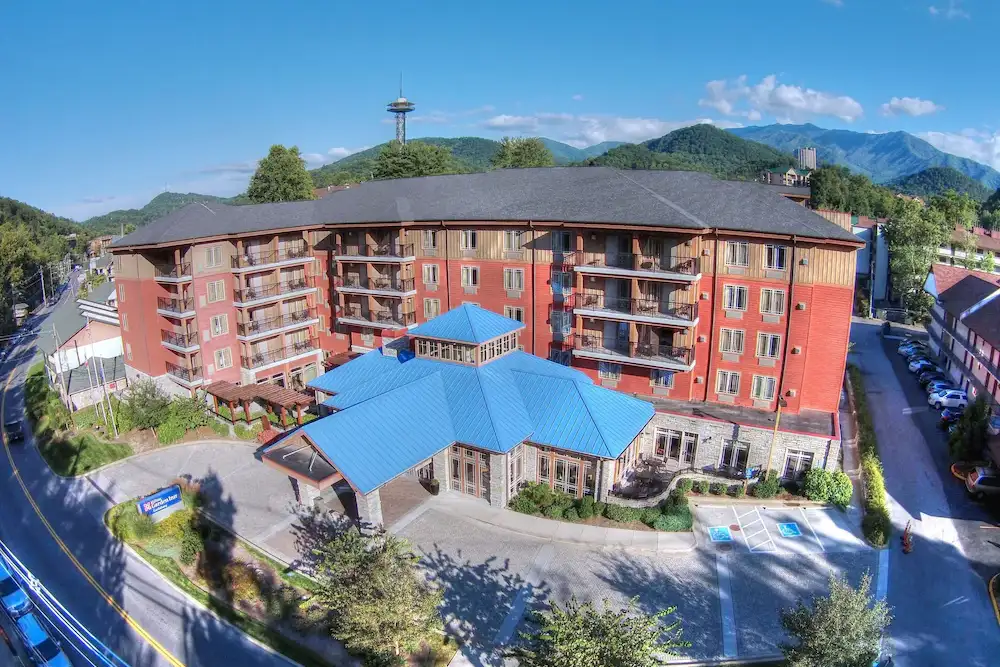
{"x": 942, "y": 612}
{"x": 158, "y": 614}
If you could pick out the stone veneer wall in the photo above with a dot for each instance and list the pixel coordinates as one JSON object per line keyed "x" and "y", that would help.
{"x": 441, "y": 471}
{"x": 498, "y": 480}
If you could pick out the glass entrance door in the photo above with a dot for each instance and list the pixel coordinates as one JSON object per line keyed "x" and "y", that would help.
{"x": 470, "y": 471}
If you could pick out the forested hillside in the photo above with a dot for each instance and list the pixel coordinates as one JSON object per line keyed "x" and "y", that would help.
{"x": 937, "y": 181}
{"x": 159, "y": 206}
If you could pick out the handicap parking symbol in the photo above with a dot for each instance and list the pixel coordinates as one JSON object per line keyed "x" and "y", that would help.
{"x": 789, "y": 529}
{"x": 720, "y": 534}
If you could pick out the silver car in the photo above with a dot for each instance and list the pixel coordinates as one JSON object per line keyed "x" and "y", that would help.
{"x": 983, "y": 482}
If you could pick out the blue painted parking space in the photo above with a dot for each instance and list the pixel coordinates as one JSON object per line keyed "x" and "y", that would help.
{"x": 720, "y": 534}
{"x": 790, "y": 529}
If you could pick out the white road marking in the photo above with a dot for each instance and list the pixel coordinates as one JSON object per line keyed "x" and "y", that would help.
{"x": 882, "y": 583}
{"x": 729, "y": 647}
{"x": 811, "y": 529}
{"x": 914, "y": 411}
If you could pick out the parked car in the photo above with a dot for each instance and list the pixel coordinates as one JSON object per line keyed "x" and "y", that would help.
{"x": 13, "y": 431}
{"x": 994, "y": 425}
{"x": 950, "y": 416}
{"x": 12, "y": 596}
{"x": 939, "y": 385}
{"x": 44, "y": 650}
{"x": 910, "y": 346}
{"x": 983, "y": 482}
{"x": 949, "y": 398}
{"x": 916, "y": 353}
{"x": 921, "y": 364}
{"x": 930, "y": 375}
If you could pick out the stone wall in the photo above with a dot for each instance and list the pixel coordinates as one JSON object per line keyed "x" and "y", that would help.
{"x": 369, "y": 508}
{"x": 498, "y": 480}
{"x": 441, "y": 471}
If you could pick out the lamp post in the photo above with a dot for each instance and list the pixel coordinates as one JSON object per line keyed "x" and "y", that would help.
{"x": 782, "y": 403}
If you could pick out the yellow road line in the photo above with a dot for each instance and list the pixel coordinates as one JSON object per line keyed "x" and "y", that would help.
{"x": 167, "y": 655}
{"x": 993, "y": 598}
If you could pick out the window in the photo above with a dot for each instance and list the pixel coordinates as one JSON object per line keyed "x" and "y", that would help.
{"x": 513, "y": 279}
{"x": 512, "y": 240}
{"x": 515, "y": 460}
{"x": 763, "y": 388}
{"x": 124, "y": 321}
{"x": 470, "y": 276}
{"x": 797, "y": 464}
{"x": 213, "y": 257}
{"x": 432, "y": 308}
{"x": 469, "y": 240}
{"x": 768, "y": 345}
{"x": 431, "y": 274}
{"x": 514, "y": 313}
{"x": 772, "y": 301}
{"x": 562, "y": 282}
{"x": 220, "y": 325}
{"x": 775, "y": 257}
{"x": 737, "y": 253}
{"x": 216, "y": 290}
{"x": 660, "y": 378}
{"x": 223, "y": 358}
{"x": 731, "y": 340}
{"x": 429, "y": 239}
{"x": 734, "y": 455}
{"x": 734, "y": 297}
{"x": 728, "y": 383}
{"x": 561, "y": 322}
{"x": 689, "y": 446}
{"x": 121, "y": 293}
{"x": 609, "y": 371}
{"x": 562, "y": 242}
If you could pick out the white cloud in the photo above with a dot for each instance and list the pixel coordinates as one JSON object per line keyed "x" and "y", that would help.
{"x": 911, "y": 106}
{"x": 589, "y": 129}
{"x": 340, "y": 151}
{"x": 785, "y": 102}
{"x": 952, "y": 11}
{"x": 978, "y": 145}
{"x": 578, "y": 98}
{"x": 437, "y": 117}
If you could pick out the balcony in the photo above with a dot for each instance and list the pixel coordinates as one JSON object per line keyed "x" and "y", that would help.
{"x": 648, "y": 355}
{"x": 631, "y": 265}
{"x": 378, "y": 286}
{"x": 382, "y": 252}
{"x": 187, "y": 375}
{"x": 988, "y": 365}
{"x": 179, "y": 341}
{"x": 175, "y": 307}
{"x": 379, "y": 319}
{"x": 260, "y": 293}
{"x": 172, "y": 273}
{"x": 267, "y": 258}
{"x": 647, "y": 311}
{"x": 276, "y": 324}
{"x": 264, "y": 358}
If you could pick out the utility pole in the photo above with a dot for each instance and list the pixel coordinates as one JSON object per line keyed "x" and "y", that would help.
{"x": 42, "y": 277}
{"x": 104, "y": 387}
{"x": 59, "y": 371}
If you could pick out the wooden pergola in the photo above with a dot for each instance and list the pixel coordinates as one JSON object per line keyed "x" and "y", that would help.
{"x": 276, "y": 397}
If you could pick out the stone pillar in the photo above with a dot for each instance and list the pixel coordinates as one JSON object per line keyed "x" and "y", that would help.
{"x": 369, "y": 509}
{"x": 441, "y": 470}
{"x": 310, "y": 494}
{"x": 605, "y": 479}
{"x": 498, "y": 480}
{"x": 530, "y": 463}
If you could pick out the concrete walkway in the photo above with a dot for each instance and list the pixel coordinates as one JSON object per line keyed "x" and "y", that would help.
{"x": 557, "y": 531}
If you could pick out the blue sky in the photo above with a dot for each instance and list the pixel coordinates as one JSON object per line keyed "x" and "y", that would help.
{"x": 108, "y": 103}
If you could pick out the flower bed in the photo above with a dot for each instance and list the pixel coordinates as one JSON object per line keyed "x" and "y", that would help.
{"x": 672, "y": 515}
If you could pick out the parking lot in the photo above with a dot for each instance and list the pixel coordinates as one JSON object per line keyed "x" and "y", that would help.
{"x": 760, "y": 529}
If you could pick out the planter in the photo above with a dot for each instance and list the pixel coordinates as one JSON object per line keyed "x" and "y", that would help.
{"x": 434, "y": 486}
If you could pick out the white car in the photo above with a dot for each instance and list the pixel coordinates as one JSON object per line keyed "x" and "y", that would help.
{"x": 949, "y": 398}
{"x": 910, "y": 346}
{"x": 918, "y": 365}
{"x": 994, "y": 425}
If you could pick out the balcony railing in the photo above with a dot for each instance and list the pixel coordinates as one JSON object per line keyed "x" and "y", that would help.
{"x": 179, "y": 339}
{"x": 382, "y": 317}
{"x": 270, "y": 290}
{"x": 375, "y": 250}
{"x": 629, "y": 261}
{"x": 964, "y": 341}
{"x": 647, "y": 351}
{"x": 191, "y": 374}
{"x": 173, "y": 271}
{"x": 266, "y": 256}
{"x": 254, "y": 327}
{"x": 256, "y": 359}
{"x": 184, "y": 305}
{"x": 386, "y": 284}
{"x": 642, "y": 307}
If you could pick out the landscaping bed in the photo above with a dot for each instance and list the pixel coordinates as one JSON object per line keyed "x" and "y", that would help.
{"x": 876, "y": 525}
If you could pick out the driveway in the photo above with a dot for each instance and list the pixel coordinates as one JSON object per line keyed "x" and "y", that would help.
{"x": 943, "y": 615}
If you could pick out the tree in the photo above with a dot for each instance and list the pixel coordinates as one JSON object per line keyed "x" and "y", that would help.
{"x": 913, "y": 235}
{"x": 579, "y": 635}
{"x": 522, "y": 152}
{"x": 382, "y": 607}
{"x": 987, "y": 263}
{"x": 148, "y": 406}
{"x": 959, "y": 210}
{"x": 842, "y": 629}
{"x": 969, "y": 247}
{"x": 967, "y": 441}
{"x": 281, "y": 176}
{"x": 413, "y": 159}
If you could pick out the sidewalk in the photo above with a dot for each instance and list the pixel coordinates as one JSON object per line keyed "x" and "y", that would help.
{"x": 557, "y": 531}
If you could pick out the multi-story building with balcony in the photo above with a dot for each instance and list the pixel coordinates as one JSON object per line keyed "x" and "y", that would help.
{"x": 965, "y": 328}
{"x": 716, "y": 301}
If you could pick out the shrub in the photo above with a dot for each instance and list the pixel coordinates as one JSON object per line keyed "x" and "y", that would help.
{"x": 130, "y": 526}
{"x": 841, "y": 489}
{"x": 678, "y": 520}
{"x": 219, "y": 427}
{"x": 622, "y": 513}
{"x": 876, "y": 524}
{"x": 586, "y": 507}
{"x": 737, "y": 491}
{"x": 650, "y": 515}
{"x": 244, "y": 433}
{"x": 767, "y": 487}
{"x": 571, "y": 514}
{"x": 147, "y": 404}
{"x": 191, "y": 545}
{"x": 816, "y": 486}
{"x": 717, "y": 488}
{"x": 554, "y": 511}
{"x": 241, "y": 581}
{"x": 676, "y": 499}
{"x": 600, "y": 508}
{"x": 685, "y": 484}
{"x": 523, "y": 504}
{"x": 170, "y": 431}
{"x": 876, "y": 527}
{"x": 189, "y": 412}
{"x": 701, "y": 486}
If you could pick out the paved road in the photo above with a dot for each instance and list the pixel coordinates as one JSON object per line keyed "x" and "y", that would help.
{"x": 942, "y": 611}
{"x": 75, "y": 509}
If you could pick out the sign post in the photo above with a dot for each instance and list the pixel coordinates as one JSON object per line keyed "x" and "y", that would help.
{"x": 158, "y": 506}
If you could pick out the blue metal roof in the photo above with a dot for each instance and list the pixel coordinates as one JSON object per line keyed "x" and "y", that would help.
{"x": 468, "y": 324}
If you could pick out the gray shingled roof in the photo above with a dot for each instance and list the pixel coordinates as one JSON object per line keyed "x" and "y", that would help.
{"x": 100, "y": 293}
{"x": 67, "y": 320}
{"x": 688, "y": 200}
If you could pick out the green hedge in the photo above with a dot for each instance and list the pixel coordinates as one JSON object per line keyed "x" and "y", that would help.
{"x": 876, "y": 525}
{"x": 673, "y": 514}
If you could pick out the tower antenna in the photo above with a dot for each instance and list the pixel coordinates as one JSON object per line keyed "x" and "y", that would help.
{"x": 399, "y": 108}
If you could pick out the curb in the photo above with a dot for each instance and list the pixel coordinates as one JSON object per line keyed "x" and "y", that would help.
{"x": 955, "y": 474}
{"x": 993, "y": 597}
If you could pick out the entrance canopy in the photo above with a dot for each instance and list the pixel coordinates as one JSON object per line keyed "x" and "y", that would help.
{"x": 298, "y": 457}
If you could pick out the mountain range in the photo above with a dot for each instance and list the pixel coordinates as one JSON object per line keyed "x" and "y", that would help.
{"x": 881, "y": 157}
